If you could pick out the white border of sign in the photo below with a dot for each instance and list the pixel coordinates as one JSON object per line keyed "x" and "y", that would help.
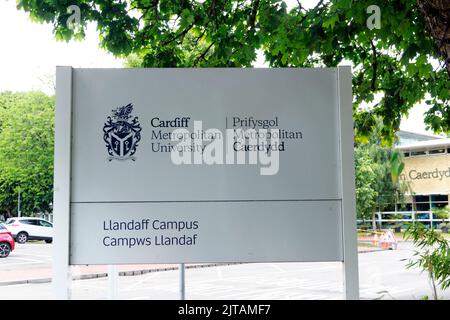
{"x": 62, "y": 278}
{"x": 349, "y": 241}
{"x": 61, "y": 196}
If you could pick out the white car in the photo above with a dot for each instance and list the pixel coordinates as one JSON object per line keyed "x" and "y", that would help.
{"x": 25, "y": 228}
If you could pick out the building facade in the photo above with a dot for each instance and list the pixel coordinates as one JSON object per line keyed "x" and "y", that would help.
{"x": 427, "y": 172}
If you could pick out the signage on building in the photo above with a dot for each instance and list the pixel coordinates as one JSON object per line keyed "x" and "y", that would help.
{"x": 433, "y": 174}
{"x": 428, "y": 174}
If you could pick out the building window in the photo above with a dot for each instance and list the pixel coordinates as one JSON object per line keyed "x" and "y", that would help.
{"x": 407, "y": 216}
{"x": 439, "y": 200}
{"x": 418, "y": 208}
{"x": 418, "y": 153}
{"x": 442, "y": 150}
{"x": 422, "y": 203}
{"x": 404, "y": 207}
{"x": 422, "y": 206}
{"x": 427, "y": 203}
{"x": 390, "y": 208}
{"x": 422, "y": 216}
{"x": 435, "y": 151}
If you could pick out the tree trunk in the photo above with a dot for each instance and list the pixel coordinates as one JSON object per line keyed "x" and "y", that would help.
{"x": 437, "y": 18}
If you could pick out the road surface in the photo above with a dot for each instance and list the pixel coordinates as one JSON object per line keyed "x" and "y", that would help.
{"x": 382, "y": 276}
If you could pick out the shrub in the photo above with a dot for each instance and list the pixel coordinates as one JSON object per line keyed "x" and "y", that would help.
{"x": 432, "y": 255}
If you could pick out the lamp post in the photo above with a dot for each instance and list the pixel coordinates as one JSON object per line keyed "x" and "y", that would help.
{"x": 50, "y": 216}
{"x": 18, "y": 204}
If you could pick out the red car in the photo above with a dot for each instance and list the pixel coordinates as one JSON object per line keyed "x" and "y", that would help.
{"x": 6, "y": 242}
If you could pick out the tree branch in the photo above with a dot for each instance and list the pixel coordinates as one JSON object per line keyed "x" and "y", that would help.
{"x": 200, "y": 36}
{"x": 252, "y": 18}
{"x": 374, "y": 65}
{"x": 202, "y": 56}
{"x": 180, "y": 34}
{"x": 313, "y": 10}
{"x": 446, "y": 30}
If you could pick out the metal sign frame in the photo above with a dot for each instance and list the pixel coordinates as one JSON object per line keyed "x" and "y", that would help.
{"x": 62, "y": 278}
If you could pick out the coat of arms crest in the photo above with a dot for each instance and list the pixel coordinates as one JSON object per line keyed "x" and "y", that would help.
{"x": 121, "y": 134}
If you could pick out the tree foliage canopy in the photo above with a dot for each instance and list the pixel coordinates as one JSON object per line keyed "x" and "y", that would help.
{"x": 393, "y": 65}
{"x": 377, "y": 171}
{"x": 26, "y": 152}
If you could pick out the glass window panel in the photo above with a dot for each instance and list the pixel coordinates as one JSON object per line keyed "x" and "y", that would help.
{"x": 436, "y": 151}
{"x": 422, "y": 198}
{"x": 439, "y": 198}
{"x": 44, "y": 223}
{"x": 439, "y": 205}
{"x": 423, "y": 206}
{"x": 422, "y": 216}
{"x": 405, "y": 207}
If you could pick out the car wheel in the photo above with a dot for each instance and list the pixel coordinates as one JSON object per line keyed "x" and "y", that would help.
{"x": 48, "y": 241}
{"x": 5, "y": 249}
{"x": 22, "y": 237}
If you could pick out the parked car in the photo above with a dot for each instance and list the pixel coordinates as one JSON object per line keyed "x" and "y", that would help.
{"x": 24, "y": 229}
{"x": 6, "y": 242}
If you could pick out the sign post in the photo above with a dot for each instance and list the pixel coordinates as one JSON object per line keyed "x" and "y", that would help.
{"x": 182, "y": 282}
{"x": 62, "y": 278}
{"x": 113, "y": 279}
{"x": 204, "y": 166}
{"x": 350, "y": 244}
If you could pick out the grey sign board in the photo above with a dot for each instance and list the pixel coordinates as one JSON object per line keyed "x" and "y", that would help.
{"x": 128, "y": 200}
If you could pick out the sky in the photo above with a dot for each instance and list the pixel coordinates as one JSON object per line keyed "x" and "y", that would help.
{"x": 29, "y": 55}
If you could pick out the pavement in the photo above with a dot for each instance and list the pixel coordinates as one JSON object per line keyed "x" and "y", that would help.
{"x": 382, "y": 276}
{"x": 32, "y": 263}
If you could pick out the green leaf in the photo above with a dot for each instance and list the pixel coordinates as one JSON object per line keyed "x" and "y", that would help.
{"x": 330, "y": 22}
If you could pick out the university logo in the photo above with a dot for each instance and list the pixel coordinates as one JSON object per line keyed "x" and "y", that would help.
{"x": 121, "y": 134}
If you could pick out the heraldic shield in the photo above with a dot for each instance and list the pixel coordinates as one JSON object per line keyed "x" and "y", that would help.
{"x": 121, "y": 134}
